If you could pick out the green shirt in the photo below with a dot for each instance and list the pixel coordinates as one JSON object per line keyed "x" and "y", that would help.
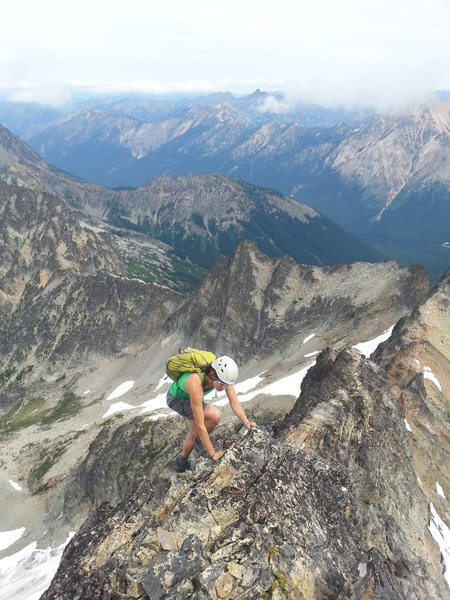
{"x": 177, "y": 389}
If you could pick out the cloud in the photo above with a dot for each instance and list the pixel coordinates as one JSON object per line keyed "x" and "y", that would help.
{"x": 48, "y": 94}
{"x": 354, "y": 52}
{"x": 153, "y": 88}
{"x": 275, "y": 105}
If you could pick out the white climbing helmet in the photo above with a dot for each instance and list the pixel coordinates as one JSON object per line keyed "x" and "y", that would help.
{"x": 226, "y": 369}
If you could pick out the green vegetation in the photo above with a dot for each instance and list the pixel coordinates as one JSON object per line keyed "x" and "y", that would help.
{"x": 137, "y": 270}
{"x": 39, "y": 471}
{"x": 32, "y": 411}
{"x": 180, "y": 275}
{"x": 23, "y": 414}
{"x": 47, "y": 458}
{"x": 68, "y": 407}
{"x": 24, "y": 372}
{"x": 279, "y": 581}
{"x": 5, "y": 375}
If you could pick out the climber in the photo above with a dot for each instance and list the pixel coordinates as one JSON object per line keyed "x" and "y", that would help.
{"x": 185, "y": 396}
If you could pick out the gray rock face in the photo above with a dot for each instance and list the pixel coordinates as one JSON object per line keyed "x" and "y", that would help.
{"x": 252, "y": 306}
{"x": 328, "y": 507}
{"x": 417, "y": 363}
{"x": 64, "y": 290}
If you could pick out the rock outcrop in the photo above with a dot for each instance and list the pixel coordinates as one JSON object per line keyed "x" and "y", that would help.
{"x": 329, "y": 506}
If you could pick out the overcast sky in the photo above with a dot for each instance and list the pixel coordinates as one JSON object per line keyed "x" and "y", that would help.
{"x": 377, "y": 52}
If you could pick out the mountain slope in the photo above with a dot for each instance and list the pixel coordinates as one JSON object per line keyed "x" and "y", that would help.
{"x": 382, "y": 177}
{"x": 328, "y": 503}
{"x": 65, "y": 296}
{"x": 205, "y": 216}
{"x": 201, "y": 217}
{"x": 113, "y": 141}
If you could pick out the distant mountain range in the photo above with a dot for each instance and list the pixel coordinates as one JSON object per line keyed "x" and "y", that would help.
{"x": 385, "y": 178}
{"x": 200, "y": 217}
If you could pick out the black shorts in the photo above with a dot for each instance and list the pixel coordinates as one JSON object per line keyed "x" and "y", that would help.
{"x": 182, "y": 406}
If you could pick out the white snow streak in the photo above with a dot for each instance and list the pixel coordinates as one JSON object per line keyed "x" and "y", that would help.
{"x": 117, "y": 407}
{"x": 441, "y": 535}
{"x": 288, "y": 386}
{"x": 370, "y": 346}
{"x": 407, "y": 425}
{"x": 362, "y": 569}
{"x": 7, "y": 538}
{"x": 26, "y": 574}
{"x": 248, "y": 384}
{"x": 122, "y": 389}
{"x": 428, "y": 374}
{"x": 15, "y": 485}
{"x": 310, "y": 337}
{"x": 439, "y": 490}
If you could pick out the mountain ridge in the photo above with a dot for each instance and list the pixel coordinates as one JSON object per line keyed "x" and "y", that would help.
{"x": 277, "y": 224}
{"x": 333, "y": 500}
{"x": 370, "y": 173}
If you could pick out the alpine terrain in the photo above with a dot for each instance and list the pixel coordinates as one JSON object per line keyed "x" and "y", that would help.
{"x": 383, "y": 177}
{"x": 340, "y": 491}
{"x": 199, "y": 217}
{"x": 343, "y": 497}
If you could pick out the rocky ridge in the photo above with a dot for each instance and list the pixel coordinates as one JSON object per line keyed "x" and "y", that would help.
{"x": 118, "y": 330}
{"x": 326, "y": 503}
{"x": 259, "y": 308}
{"x": 416, "y": 359}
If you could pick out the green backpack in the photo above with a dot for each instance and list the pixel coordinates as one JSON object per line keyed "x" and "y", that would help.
{"x": 188, "y": 361}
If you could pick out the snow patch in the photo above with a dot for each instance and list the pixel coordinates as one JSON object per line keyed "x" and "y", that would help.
{"x": 312, "y": 354}
{"x": 439, "y": 490}
{"x": 154, "y": 404}
{"x": 86, "y": 392}
{"x": 122, "y": 389}
{"x": 287, "y": 386}
{"x": 162, "y": 382}
{"x": 26, "y": 574}
{"x": 428, "y": 374}
{"x": 15, "y": 485}
{"x": 117, "y": 407}
{"x": 367, "y": 348}
{"x": 362, "y": 569}
{"x": 407, "y": 425}
{"x": 248, "y": 384}
{"x": 8, "y": 538}
{"x": 310, "y": 337}
{"x": 441, "y": 535}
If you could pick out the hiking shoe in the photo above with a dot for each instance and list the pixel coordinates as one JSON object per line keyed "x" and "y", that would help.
{"x": 200, "y": 448}
{"x": 182, "y": 464}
